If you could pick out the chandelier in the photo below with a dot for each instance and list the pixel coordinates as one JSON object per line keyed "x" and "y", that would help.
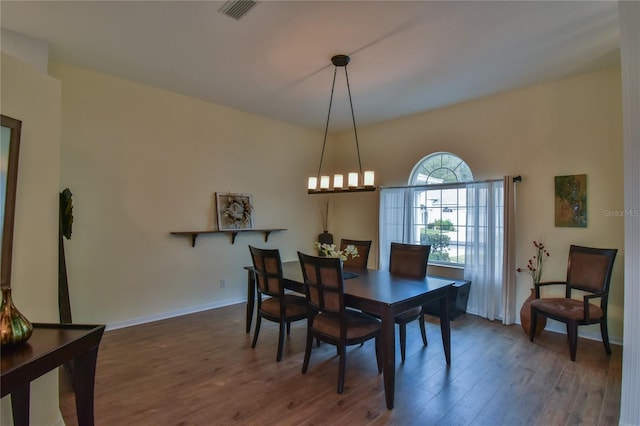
{"x": 356, "y": 181}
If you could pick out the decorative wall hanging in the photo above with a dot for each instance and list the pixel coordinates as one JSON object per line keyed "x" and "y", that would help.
{"x": 235, "y": 211}
{"x": 571, "y": 201}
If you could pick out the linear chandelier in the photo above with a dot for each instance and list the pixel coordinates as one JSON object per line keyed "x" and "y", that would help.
{"x": 356, "y": 182}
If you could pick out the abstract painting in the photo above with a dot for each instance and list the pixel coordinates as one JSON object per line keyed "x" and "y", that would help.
{"x": 571, "y": 201}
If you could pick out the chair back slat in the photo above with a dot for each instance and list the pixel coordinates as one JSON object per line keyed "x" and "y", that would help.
{"x": 589, "y": 269}
{"x": 268, "y": 271}
{"x": 363, "y": 246}
{"x": 409, "y": 260}
{"x": 324, "y": 283}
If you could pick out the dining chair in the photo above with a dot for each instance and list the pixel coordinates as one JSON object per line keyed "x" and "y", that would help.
{"x": 409, "y": 260}
{"x": 329, "y": 320}
{"x": 273, "y": 303}
{"x": 589, "y": 271}
{"x": 363, "y": 246}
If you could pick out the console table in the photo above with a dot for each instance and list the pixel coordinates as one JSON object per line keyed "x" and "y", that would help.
{"x": 50, "y": 346}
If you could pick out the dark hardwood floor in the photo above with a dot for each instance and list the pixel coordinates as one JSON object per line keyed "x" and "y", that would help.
{"x": 200, "y": 369}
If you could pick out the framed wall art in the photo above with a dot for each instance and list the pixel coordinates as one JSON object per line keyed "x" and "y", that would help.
{"x": 235, "y": 211}
{"x": 571, "y": 201}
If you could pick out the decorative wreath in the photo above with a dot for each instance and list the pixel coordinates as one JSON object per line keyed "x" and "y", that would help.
{"x": 238, "y": 210}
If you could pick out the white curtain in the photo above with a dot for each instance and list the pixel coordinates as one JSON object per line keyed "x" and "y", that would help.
{"x": 394, "y": 221}
{"x": 490, "y": 241}
{"x": 489, "y": 259}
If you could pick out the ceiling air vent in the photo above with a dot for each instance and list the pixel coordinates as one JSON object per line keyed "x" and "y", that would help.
{"x": 237, "y": 8}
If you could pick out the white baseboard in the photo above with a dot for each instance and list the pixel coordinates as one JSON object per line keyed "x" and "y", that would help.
{"x": 558, "y": 327}
{"x": 172, "y": 314}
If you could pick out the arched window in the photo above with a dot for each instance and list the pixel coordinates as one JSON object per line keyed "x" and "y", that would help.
{"x": 440, "y": 167}
{"x": 432, "y": 209}
{"x": 440, "y": 213}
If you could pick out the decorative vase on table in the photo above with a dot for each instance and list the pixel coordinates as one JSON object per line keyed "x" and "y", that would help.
{"x": 525, "y": 316}
{"x": 14, "y": 327}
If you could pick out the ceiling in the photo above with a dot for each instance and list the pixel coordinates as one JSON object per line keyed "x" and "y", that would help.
{"x": 275, "y": 61}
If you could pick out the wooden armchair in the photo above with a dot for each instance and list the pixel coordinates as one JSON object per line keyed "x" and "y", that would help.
{"x": 409, "y": 260}
{"x": 363, "y": 253}
{"x": 588, "y": 270}
{"x": 277, "y": 306}
{"x": 329, "y": 320}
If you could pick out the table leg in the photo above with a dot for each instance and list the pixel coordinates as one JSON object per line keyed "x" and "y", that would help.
{"x": 20, "y": 404}
{"x": 251, "y": 295}
{"x": 389, "y": 356}
{"x": 84, "y": 374}
{"x": 445, "y": 327}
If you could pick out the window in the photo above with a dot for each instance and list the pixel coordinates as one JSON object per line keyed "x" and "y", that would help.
{"x": 440, "y": 210}
{"x": 431, "y": 210}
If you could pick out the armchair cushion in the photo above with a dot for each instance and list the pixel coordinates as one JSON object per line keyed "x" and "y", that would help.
{"x": 567, "y": 308}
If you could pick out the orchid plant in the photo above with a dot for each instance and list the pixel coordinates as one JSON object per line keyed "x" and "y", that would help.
{"x": 330, "y": 250}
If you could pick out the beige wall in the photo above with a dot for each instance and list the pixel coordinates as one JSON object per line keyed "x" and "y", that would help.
{"x": 142, "y": 162}
{"x": 34, "y": 98}
{"x": 571, "y": 126}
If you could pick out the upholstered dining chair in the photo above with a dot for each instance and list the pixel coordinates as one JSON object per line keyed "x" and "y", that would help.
{"x": 589, "y": 271}
{"x": 409, "y": 260}
{"x": 329, "y": 320}
{"x": 273, "y": 303}
{"x": 363, "y": 246}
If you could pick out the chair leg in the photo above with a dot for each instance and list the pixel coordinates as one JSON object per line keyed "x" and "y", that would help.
{"x": 403, "y": 341}
{"x": 423, "y": 330}
{"x": 288, "y": 327}
{"x": 341, "y": 371}
{"x": 605, "y": 336}
{"x": 378, "y": 353}
{"x": 257, "y": 331}
{"x": 572, "y": 332}
{"x": 307, "y": 352}
{"x": 280, "y": 340}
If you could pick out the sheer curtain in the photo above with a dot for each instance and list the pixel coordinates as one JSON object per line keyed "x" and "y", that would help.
{"x": 394, "y": 222}
{"x": 489, "y": 259}
{"x": 489, "y": 249}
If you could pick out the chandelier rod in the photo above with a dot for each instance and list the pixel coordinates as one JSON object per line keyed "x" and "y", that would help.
{"x": 326, "y": 128}
{"x": 353, "y": 118}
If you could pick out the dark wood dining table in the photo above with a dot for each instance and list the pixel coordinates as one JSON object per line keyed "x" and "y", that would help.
{"x": 380, "y": 293}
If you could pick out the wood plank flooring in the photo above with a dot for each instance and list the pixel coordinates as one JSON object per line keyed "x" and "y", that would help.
{"x": 200, "y": 369}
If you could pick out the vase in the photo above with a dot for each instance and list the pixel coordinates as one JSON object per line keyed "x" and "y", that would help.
{"x": 14, "y": 327}
{"x": 325, "y": 237}
{"x": 525, "y": 316}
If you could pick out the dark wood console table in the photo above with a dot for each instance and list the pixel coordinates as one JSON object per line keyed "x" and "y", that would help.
{"x": 50, "y": 346}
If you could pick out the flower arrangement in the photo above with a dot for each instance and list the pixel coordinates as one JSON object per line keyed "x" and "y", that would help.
{"x": 238, "y": 210}
{"x": 330, "y": 250}
{"x": 535, "y": 265}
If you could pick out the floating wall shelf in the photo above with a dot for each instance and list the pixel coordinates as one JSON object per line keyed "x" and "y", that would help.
{"x": 232, "y": 232}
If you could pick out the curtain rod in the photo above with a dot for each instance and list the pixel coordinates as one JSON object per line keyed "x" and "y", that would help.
{"x": 452, "y": 184}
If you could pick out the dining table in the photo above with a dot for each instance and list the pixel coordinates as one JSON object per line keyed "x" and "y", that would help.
{"x": 380, "y": 293}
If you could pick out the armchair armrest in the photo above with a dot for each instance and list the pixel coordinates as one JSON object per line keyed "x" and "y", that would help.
{"x": 600, "y": 295}
{"x": 545, "y": 283}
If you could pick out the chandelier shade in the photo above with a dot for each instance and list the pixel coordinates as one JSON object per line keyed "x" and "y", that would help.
{"x": 356, "y": 181}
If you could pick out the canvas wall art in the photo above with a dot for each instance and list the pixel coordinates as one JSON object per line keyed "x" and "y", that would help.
{"x": 571, "y": 201}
